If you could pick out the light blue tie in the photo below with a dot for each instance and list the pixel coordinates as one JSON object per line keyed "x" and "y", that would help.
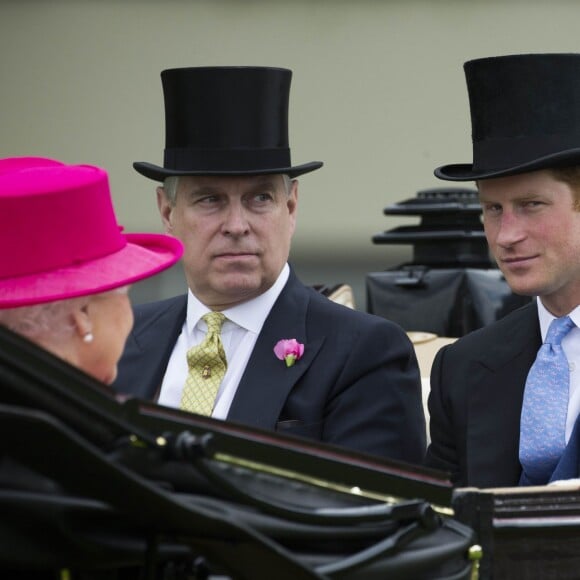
{"x": 545, "y": 407}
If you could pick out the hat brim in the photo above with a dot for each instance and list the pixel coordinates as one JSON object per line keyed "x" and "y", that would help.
{"x": 160, "y": 173}
{"x": 466, "y": 172}
{"x": 144, "y": 255}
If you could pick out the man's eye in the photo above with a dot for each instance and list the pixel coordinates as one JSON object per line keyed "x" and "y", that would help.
{"x": 262, "y": 197}
{"x": 207, "y": 199}
{"x": 491, "y": 208}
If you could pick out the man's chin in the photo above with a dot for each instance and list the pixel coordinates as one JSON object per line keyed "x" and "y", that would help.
{"x": 524, "y": 287}
{"x": 241, "y": 288}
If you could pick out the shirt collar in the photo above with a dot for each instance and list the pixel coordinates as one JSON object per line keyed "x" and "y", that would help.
{"x": 249, "y": 315}
{"x": 546, "y": 318}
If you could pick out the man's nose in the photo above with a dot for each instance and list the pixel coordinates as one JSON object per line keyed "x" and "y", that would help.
{"x": 510, "y": 229}
{"x": 235, "y": 220}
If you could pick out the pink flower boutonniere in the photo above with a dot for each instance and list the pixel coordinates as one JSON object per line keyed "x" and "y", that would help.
{"x": 289, "y": 350}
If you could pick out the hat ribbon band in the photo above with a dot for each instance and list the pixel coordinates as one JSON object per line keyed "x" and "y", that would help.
{"x": 494, "y": 154}
{"x": 189, "y": 159}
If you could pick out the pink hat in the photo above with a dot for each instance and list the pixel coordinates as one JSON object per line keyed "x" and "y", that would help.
{"x": 15, "y": 163}
{"x": 60, "y": 237}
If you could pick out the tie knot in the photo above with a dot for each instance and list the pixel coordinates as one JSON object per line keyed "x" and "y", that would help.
{"x": 559, "y": 328}
{"x": 214, "y": 321}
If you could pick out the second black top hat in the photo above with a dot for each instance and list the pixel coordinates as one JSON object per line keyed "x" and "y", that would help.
{"x": 525, "y": 115}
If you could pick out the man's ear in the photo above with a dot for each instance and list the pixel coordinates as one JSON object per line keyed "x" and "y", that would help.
{"x": 293, "y": 197}
{"x": 292, "y": 204}
{"x": 165, "y": 209}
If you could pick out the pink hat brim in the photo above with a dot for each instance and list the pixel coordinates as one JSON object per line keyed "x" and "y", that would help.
{"x": 143, "y": 256}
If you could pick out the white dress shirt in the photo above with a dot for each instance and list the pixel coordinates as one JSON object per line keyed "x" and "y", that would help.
{"x": 239, "y": 334}
{"x": 571, "y": 346}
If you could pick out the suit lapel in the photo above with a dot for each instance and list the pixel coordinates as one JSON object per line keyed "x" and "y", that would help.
{"x": 267, "y": 381}
{"x": 497, "y": 378}
{"x": 154, "y": 338}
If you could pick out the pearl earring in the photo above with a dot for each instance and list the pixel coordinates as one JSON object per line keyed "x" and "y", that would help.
{"x": 88, "y": 337}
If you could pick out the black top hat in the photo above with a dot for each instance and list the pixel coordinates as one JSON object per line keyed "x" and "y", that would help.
{"x": 525, "y": 115}
{"x": 225, "y": 121}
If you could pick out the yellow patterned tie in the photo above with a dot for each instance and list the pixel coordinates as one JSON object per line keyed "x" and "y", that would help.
{"x": 207, "y": 367}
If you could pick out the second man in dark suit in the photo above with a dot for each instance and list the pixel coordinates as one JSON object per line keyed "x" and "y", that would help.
{"x": 502, "y": 409}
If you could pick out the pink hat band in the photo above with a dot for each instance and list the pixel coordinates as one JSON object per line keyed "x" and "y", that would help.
{"x": 61, "y": 238}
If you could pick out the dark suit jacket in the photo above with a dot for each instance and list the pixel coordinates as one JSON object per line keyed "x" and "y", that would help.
{"x": 357, "y": 384}
{"x": 477, "y": 387}
{"x": 569, "y": 465}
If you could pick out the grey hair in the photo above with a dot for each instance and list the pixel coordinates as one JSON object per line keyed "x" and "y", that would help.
{"x": 51, "y": 320}
{"x": 287, "y": 183}
{"x": 171, "y": 183}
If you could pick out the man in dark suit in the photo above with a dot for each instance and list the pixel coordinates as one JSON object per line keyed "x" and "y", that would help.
{"x": 230, "y": 194}
{"x": 496, "y": 413}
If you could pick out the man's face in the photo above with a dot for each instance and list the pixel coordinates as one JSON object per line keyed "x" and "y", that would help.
{"x": 534, "y": 234}
{"x": 236, "y": 232}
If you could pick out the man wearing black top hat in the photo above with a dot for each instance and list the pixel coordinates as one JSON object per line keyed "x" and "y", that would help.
{"x": 505, "y": 398}
{"x": 296, "y": 362}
